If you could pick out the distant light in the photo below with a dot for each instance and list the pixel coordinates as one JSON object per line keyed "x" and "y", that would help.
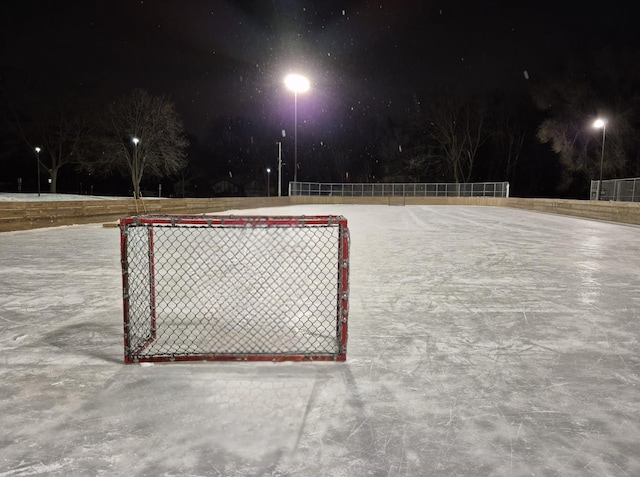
{"x": 136, "y": 140}
{"x": 268, "y": 170}
{"x": 297, "y": 83}
{"x": 600, "y": 123}
{"x": 38, "y": 150}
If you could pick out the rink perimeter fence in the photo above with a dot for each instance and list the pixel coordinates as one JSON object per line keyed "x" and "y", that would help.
{"x": 472, "y": 189}
{"x": 619, "y": 190}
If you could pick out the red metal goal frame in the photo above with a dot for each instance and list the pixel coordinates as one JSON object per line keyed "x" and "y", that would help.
{"x": 342, "y": 292}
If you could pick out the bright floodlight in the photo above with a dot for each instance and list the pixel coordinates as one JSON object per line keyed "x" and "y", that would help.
{"x": 136, "y": 140}
{"x": 599, "y": 123}
{"x": 297, "y": 83}
{"x": 38, "y": 149}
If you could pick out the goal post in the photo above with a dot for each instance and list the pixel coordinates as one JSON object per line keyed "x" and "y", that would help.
{"x": 235, "y": 288}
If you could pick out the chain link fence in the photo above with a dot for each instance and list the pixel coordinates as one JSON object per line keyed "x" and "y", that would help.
{"x": 235, "y": 288}
{"x": 622, "y": 190}
{"x": 342, "y": 189}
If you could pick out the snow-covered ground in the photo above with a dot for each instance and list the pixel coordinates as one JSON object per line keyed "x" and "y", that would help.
{"x": 483, "y": 341}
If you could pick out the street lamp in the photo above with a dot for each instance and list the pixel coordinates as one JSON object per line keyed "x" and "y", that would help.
{"x": 601, "y": 123}
{"x": 268, "y": 181}
{"x": 280, "y": 166}
{"x": 297, "y": 84}
{"x": 135, "y": 140}
{"x": 38, "y": 166}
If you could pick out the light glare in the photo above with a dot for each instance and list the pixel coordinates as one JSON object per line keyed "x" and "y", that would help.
{"x": 297, "y": 83}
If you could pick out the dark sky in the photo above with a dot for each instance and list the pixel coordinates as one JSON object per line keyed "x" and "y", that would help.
{"x": 222, "y": 57}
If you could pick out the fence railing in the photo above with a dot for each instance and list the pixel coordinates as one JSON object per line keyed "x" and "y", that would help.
{"x": 623, "y": 190}
{"x": 471, "y": 189}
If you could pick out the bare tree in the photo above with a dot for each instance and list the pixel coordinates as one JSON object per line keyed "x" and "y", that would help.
{"x": 509, "y": 134}
{"x": 456, "y": 127}
{"x": 141, "y": 133}
{"x": 418, "y": 158}
{"x": 62, "y": 136}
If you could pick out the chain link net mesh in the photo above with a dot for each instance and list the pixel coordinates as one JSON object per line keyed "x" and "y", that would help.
{"x": 234, "y": 288}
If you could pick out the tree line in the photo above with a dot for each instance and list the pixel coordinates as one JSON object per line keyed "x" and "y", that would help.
{"x": 542, "y": 142}
{"x": 136, "y": 134}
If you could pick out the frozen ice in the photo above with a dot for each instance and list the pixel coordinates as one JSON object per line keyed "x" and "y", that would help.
{"x": 482, "y": 341}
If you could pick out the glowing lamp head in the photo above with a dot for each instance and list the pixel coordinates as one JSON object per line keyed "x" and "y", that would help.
{"x": 136, "y": 140}
{"x": 600, "y": 123}
{"x": 38, "y": 150}
{"x": 297, "y": 83}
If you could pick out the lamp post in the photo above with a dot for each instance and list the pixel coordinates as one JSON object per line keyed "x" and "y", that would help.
{"x": 268, "y": 181}
{"x": 298, "y": 84}
{"x": 135, "y": 140}
{"x": 279, "y": 168}
{"x": 601, "y": 123}
{"x": 38, "y": 166}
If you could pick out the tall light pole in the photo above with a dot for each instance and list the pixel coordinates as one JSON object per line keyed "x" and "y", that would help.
{"x": 298, "y": 84}
{"x": 601, "y": 123}
{"x": 279, "y": 168}
{"x": 38, "y": 166}
{"x": 268, "y": 181}
{"x": 135, "y": 140}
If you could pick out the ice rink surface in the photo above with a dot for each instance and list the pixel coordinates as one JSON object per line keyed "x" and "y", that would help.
{"x": 482, "y": 341}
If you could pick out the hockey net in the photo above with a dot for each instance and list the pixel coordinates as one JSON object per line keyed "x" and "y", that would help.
{"x": 235, "y": 287}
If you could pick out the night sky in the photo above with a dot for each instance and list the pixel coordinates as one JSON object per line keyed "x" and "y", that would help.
{"x": 219, "y": 57}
